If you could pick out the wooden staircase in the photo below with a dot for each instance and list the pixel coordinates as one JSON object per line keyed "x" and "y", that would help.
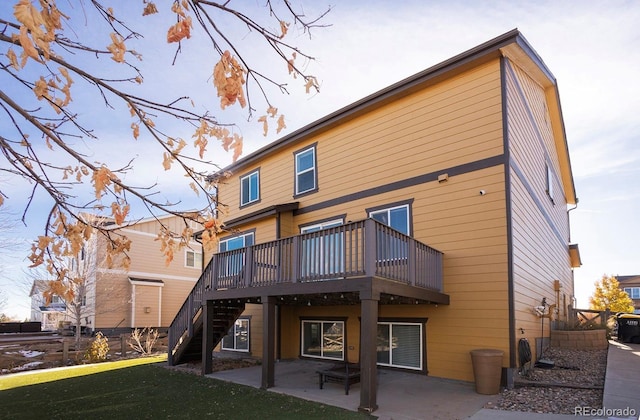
{"x": 185, "y": 332}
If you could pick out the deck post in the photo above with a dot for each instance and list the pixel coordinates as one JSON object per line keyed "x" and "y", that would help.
{"x": 368, "y": 353}
{"x": 370, "y": 247}
{"x": 207, "y": 336}
{"x": 268, "y": 341}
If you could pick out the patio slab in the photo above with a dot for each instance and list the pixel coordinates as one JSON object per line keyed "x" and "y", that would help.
{"x": 401, "y": 395}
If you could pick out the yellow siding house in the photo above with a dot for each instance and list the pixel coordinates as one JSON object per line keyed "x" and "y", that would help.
{"x": 402, "y": 231}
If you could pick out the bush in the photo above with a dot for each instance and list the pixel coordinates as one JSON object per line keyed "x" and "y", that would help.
{"x": 98, "y": 349}
{"x": 143, "y": 340}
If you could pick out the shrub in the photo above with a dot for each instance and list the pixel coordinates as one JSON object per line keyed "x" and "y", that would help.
{"x": 98, "y": 349}
{"x": 143, "y": 340}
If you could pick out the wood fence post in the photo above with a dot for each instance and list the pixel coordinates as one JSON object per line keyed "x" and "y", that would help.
{"x": 123, "y": 345}
{"x": 65, "y": 352}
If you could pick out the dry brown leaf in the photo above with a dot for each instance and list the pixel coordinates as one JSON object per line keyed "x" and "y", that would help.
{"x": 265, "y": 125}
{"x": 237, "y": 146}
{"x": 229, "y": 80}
{"x": 284, "y": 28}
{"x": 311, "y": 83}
{"x": 28, "y": 49}
{"x": 272, "y": 111}
{"x": 117, "y": 48}
{"x": 149, "y": 9}
{"x": 101, "y": 179}
{"x": 290, "y": 64}
{"x": 13, "y": 59}
{"x": 180, "y": 30}
{"x": 136, "y": 130}
{"x": 119, "y": 212}
{"x": 281, "y": 124}
{"x": 167, "y": 161}
{"x": 41, "y": 88}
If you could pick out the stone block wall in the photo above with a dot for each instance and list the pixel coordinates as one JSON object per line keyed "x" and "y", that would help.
{"x": 581, "y": 340}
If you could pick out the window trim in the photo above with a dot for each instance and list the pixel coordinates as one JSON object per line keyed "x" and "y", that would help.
{"x": 388, "y": 207}
{"x": 248, "y": 349}
{"x": 422, "y": 322}
{"x": 312, "y": 147}
{"x": 630, "y": 291}
{"x": 322, "y": 321}
{"x": 549, "y": 181}
{"x": 195, "y": 259}
{"x": 226, "y": 239}
{"x": 248, "y": 175}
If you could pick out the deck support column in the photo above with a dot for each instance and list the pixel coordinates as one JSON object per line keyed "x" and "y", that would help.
{"x": 207, "y": 336}
{"x": 368, "y": 353}
{"x": 268, "y": 341}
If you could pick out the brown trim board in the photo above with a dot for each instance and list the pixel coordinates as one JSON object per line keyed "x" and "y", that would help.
{"x": 405, "y": 183}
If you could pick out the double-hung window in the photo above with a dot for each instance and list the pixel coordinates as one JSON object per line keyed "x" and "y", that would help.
{"x": 250, "y": 188}
{"x": 306, "y": 171}
{"x": 193, "y": 259}
{"x": 323, "y": 339}
{"x": 238, "y": 337}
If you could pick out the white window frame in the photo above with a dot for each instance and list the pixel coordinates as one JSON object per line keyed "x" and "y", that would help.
{"x": 388, "y": 211}
{"x": 235, "y": 333}
{"x": 197, "y": 258}
{"x": 318, "y": 262}
{"x": 421, "y": 341}
{"x": 313, "y": 169}
{"x": 322, "y": 346}
{"x": 549, "y": 181}
{"x": 244, "y": 236}
{"x": 235, "y": 262}
{"x": 248, "y": 177}
{"x": 633, "y": 292}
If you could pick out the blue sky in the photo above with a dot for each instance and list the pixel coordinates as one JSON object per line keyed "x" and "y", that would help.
{"x": 589, "y": 46}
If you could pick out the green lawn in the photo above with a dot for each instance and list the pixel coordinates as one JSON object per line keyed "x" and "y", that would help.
{"x": 144, "y": 389}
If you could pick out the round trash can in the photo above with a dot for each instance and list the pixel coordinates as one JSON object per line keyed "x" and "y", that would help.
{"x": 487, "y": 370}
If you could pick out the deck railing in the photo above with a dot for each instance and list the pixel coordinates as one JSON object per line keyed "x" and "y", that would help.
{"x": 356, "y": 249}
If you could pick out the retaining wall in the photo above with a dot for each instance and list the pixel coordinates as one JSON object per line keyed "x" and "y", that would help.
{"x": 583, "y": 340}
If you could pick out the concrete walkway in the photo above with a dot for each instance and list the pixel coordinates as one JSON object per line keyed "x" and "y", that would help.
{"x": 407, "y": 396}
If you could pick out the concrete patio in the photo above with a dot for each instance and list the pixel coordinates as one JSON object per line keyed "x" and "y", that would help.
{"x": 401, "y": 395}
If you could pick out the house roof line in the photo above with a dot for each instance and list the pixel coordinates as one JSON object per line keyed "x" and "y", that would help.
{"x": 481, "y": 53}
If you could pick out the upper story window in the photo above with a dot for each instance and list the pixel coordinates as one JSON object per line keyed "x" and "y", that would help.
{"x": 306, "y": 171}
{"x": 250, "y": 188}
{"x": 236, "y": 242}
{"x": 396, "y": 217}
{"x": 549, "y": 182}
{"x": 633, "y": 292}
{"x": 193, "y": 259}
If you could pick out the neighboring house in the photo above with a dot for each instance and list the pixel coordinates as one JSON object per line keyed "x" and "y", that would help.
{"x": 49, "y": 315}
{"x": 404, "y": 230}
{"x": 631, "y": 285}
{"x": 148, "y": 294}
